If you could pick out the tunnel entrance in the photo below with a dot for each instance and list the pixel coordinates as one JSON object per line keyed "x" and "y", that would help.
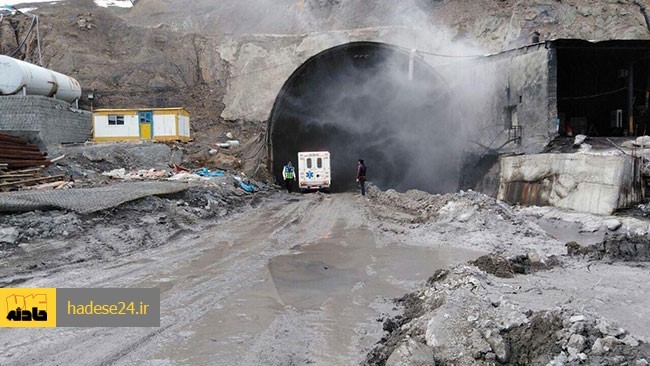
{"x": 370, "y": 101}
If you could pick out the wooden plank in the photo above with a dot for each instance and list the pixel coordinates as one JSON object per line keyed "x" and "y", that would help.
{"x": 6, "y": 150}
{"x": 9, "y": 176}
{"x": 51, "y": 185}
{"x": 11, "y": 145}
{"x": 5, "y": 156}
{"x": 32, "y": 180}
{"x": 26, "y": 163}
{"x": 11, "y": 156}
{"x": 25, "y": 171}
{"x": 13, "y": 180}
{"x": 12, "y": 138}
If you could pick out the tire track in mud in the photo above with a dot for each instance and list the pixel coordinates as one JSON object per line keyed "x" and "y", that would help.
{"x": 232, "y": 276}
{"x": 200, "y": 268}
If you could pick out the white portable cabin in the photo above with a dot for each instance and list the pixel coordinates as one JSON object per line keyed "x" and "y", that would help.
{"x": 314, "y": 170}
{"x": 158, "y": 124}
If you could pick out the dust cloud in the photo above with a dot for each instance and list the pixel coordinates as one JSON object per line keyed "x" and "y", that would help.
{"x": 410, "y": 116}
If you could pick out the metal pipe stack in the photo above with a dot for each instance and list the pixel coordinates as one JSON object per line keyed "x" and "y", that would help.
{"x": 22, "y": 163}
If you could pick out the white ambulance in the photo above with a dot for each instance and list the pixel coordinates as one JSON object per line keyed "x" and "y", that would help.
{"x": 314, "y": 171}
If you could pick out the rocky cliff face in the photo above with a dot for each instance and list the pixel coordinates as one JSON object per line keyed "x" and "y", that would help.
{"x": 497, "y": 24}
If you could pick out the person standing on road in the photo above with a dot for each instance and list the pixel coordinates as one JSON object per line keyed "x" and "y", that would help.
{"x": 361, "y": 176}
{"x": 289, "y": 174}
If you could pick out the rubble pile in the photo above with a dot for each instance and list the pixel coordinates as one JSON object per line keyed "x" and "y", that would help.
{"x": 422, "y": 206}
{"x": 518, "y": 264}
{"x": 615, "y": 247}
{"x": 466, "y": 219}
{"x": 87, "y": 163}
{"x": 457, "y": 318}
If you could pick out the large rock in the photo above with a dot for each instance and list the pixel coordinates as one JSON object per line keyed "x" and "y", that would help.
{"x": 8, "y": 235}
{"x": 411, "y": 353}
{"x": 592, "y": 183}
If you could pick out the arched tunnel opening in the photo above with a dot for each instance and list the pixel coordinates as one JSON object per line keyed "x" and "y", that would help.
{"x": 371, "y": 101}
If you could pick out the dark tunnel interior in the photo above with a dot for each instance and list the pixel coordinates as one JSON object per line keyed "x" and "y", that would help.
{"x": 358, "y": 101}
{"x": 593, "y": 85}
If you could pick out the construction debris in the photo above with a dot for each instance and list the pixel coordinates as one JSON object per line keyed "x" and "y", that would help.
{"x": 142, "y": 174}
{"x": 85, "y": 200}
{"x": 15, "y": 153}
{"x": 205, "y": 172}
{"x": 228, "y": 144}
{"x": 30, "y": 179}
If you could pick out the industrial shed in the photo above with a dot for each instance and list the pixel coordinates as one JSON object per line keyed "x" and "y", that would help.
{"x": 159, "y": 124}
{"x": 558, "y": 87}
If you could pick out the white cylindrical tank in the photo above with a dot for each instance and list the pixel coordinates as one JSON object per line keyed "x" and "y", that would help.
{"x": 16, "y": 74}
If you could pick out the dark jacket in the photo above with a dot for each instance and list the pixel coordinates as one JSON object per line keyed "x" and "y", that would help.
{"x": 361, "y": 172}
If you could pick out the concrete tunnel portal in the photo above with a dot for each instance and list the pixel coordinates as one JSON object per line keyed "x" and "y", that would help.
{"x": 373, "y": 101}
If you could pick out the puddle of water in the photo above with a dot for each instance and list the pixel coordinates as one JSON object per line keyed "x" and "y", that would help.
{"x": 329, "y": 288}
{"x": 570, "y": 231}
{"x": 337, "y": 264}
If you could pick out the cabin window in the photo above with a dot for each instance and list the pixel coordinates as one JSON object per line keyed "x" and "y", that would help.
{"x": 308, "y": 163}
{"x": 114, "y": 120}
{"x": 319, "y": 163}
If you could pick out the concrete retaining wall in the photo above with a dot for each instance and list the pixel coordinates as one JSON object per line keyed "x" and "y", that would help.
{"x": 46, "y": 119}
{"x": 591, "y": 183}
{"x": 259, "y": 65}
{"x": 516, "y": 87}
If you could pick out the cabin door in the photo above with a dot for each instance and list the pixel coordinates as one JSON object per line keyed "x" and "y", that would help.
{"x": 146, "y": 125}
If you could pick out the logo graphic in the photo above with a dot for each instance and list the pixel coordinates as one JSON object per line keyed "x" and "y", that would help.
{"x": 22, "y": 303}
{"x": 310, "y": 174}
{"x": 23, "y": 307}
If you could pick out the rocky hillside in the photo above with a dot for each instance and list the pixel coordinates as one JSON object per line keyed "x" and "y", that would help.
{"x": 497, "y": 24}
{"x": 163, "y": 51}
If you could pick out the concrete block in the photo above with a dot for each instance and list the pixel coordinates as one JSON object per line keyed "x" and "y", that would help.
{"x": 591, "y": 183}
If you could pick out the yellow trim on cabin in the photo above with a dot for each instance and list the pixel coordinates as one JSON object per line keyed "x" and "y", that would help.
{"x": 131, "y": 111}
{"x": 107, "y": 112}
{"x": 172, "y": 138}
{"x": 117, "y": 138}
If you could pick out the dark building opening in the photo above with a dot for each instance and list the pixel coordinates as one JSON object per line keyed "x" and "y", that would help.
{"x": 371, "y": 101}
{"x": 601, "y": 85}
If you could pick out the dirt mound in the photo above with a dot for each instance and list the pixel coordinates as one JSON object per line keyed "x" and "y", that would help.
{"x": 615, "y": 248}
{"x": 572, "y": 340}
{"x": 419, "y": 206}
{"x": 508, "y": 267}
{"x": 455, "y": 319}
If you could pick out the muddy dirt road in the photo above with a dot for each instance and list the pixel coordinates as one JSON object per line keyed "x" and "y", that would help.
{"x": 297, "y": 280}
